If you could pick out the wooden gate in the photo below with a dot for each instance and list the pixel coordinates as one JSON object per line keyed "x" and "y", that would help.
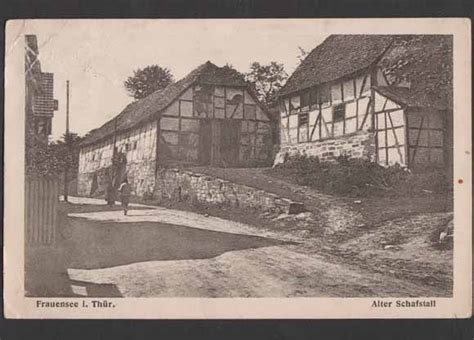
{"x": 41, "y": 202}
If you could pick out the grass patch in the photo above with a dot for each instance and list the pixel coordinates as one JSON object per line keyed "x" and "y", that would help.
{"x": 361, "y": 177}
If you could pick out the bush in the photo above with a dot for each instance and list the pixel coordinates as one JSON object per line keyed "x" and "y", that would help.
{"x": 360, "y": 177}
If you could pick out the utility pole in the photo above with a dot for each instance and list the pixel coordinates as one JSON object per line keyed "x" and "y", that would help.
{"x": 66, "y": 140}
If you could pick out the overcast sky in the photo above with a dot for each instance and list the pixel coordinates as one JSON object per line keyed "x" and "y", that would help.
{"x": 98, "y": 55}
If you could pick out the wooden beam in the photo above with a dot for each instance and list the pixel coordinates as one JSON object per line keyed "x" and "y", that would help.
{"x": 396, "y": 137}
{"x": 386, "y": 140}
{"x": 417, "y": 140}
{"x": 429, "y": 137}
{"x": 344, "y": 121}
{"x": 325, "y": 125}
{"x": 225, "y": 102}
{"x": 367, "y": 110}
{"x": 388, "y": 110}
{"x": 407, "y": 139}
{"x": 364, "y": 80}
{"x": 320, "y": 121}
{"x": 310, "y": 138}
{"x": 342, "y": 91}
{"x": 157, "y": 145}
{"x": 357, "y": 112}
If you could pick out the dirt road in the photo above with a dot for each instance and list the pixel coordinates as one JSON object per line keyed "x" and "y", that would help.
{"x": 165, "y": 252}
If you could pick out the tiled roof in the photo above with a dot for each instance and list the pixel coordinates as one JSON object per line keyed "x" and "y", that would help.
{"x": 336, "y": 57}
{"x": 407, "y": 97}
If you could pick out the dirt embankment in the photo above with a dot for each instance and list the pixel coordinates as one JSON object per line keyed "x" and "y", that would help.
{"x": 394, "y": 236}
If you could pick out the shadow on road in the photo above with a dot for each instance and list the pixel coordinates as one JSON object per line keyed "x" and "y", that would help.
{"x": 95, "y": 244}
{"x": 97, "y": 289}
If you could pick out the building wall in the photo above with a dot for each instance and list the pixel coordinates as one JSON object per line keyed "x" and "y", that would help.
{"x": 390, "y": 131}
{"x": 426, "y": 136}
{"x": 358, "y": 145}
{"x": 182, "y": 129}
{"x": 139, "y": 148}
{"x": 309, "y": 122}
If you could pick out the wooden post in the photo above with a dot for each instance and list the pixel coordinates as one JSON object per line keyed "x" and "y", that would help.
{"x": 407, "y": 139}
{"x": 66, "y": 139}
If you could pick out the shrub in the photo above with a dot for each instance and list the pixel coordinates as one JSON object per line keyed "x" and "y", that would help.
{"x": 360, "y": 177}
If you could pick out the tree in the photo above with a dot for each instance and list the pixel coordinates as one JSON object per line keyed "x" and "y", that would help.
{"x": 51, "y": 160}
{"x": 148, "y": 80}
{"x": 267, "y": 80}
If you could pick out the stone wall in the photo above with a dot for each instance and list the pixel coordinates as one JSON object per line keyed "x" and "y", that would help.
{"x": 357, "y": 145}
{"x": 186, "y": 186}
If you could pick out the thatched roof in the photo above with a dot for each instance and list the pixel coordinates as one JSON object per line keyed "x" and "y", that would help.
{"x": 407, "y": 97}
{"x": 336, "y": 57}
{"x": 149, "y": 108}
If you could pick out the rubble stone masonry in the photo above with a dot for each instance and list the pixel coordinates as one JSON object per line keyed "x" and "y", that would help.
{"x": 186, "y": 186}
{"x": 357, "y": 145}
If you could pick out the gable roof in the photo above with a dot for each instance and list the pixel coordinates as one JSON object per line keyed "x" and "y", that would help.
{"x": 148, "y": 108}
{"x": 336, "y": 57}
{"x": 407, "y": 97}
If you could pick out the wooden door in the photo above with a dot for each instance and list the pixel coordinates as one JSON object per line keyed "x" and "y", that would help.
{"x": 205, "y": 142}
{"x": 230, "y": 142}
{"x": 216, "y": 155}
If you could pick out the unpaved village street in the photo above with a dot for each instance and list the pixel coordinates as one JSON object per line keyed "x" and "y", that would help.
{"x": 159, "y": 252}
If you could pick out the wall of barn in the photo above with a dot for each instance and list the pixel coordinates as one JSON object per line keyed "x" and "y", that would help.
{"x": 426, "y": 135}
{"x": 182, "y": 131}
{"x": 139, "y": 148}
{"x": 311, "y": 123}
{"x": 390, "y": 131}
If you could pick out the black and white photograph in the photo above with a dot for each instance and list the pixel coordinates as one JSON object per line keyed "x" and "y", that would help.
{"x": 240, "y": 159}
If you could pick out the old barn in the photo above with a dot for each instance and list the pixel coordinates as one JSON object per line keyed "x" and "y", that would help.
{"x": 210, "y": 117}
{"x": 379, "y": 97}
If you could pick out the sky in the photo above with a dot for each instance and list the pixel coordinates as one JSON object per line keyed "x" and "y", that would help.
{"x": 97, "y": 56}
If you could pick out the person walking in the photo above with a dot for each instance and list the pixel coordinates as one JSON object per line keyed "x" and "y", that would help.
{"x": 124, "y": 190}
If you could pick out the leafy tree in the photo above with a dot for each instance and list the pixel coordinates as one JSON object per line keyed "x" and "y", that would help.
{"x": 267, "y": 80}
{"x": 51, "y": 160}
{"x": 148, "y": 80}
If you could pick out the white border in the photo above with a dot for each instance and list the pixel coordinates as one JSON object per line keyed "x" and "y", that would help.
{"x": 17, "y": 306}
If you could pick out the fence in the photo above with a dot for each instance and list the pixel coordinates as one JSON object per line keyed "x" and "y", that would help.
{"x": 41, "y": 204}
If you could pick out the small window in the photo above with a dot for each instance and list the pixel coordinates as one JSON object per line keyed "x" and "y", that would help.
{"x": 339, "y": 112}
{"x": 305, "y": 99}
{"x": 313, "y": 97}
{"x": 303, "y": 119}
{"x": 324, "y": 95}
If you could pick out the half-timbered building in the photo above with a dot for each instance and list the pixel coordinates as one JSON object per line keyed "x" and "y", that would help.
{"x": 210, "y": 117}
{"x": 340, "y": 101}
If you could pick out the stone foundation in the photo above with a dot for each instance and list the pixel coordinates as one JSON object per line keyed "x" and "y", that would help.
{"x": 358, "y": 145}
{"x": 180, "y": 185}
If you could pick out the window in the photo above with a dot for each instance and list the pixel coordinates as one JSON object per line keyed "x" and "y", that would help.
{"x": 305, "y": 99}
{"x": 303, "y": 119}
{"x": 313, "y": 97}
{"x": 295, "y": 103}
{"x": 339, "y": 112}
{"x": 324, "y": 95}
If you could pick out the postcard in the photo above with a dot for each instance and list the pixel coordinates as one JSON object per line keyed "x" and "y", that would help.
{"x": 238, "y": 168}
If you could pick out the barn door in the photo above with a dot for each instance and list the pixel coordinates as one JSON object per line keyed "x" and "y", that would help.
{"x": 205, "y": 141}
{"x": 230, "y": 137}
{"x": 215, "y": 143}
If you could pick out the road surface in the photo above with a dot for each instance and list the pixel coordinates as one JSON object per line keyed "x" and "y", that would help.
{"x": 158, "y": 252}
